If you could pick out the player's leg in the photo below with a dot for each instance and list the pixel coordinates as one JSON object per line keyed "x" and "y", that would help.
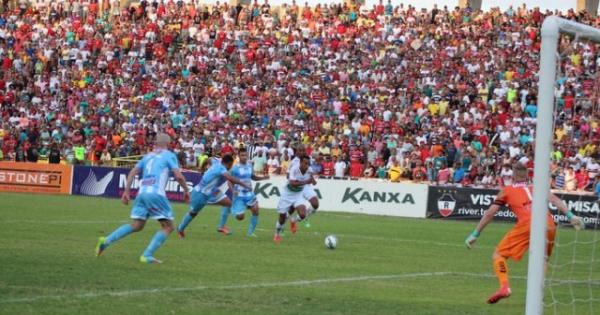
{"x": 254, "y": 219}
{"x": 550, "y": 236}
{"x": 284, "y": 205}
{"x": 238, "y": 208}
{"x": 166, "y": 228}
{"x": 160, "y": 209}
{"x": 301, "y": 213}
{"x": 197, "y": 201}
{"x": 103, "y": 242}
{"x": 225, "y": 212}
{"x": 514, "y": 245}
{"x": 309, "y": 193}
{"x": 279, "y": 227}
{"x": 139, "y": 214}
{"x": 226, "y": 203}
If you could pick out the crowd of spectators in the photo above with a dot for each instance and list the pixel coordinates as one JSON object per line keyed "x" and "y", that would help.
{"x": 444, "y": 95}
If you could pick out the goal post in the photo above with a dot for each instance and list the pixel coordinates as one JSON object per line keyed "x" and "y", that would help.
{"x": 552, "y": 27}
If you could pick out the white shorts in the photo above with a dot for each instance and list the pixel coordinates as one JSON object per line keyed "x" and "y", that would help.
{"x": 290, "y": 199}
{"x": 308, "y": 192}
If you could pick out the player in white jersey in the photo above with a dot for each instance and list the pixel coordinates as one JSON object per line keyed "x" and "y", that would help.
{"x": 308, "y": 191}
{"x": 292, "y": 195}
{"x": 243, "y": 197}
{"x": 154, "y": 169}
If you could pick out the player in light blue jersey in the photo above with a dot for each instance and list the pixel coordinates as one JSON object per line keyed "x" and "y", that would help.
{"x": 210, "y": 190}
{"x": 242, "y": 197}
{"x": 151, "y": 201}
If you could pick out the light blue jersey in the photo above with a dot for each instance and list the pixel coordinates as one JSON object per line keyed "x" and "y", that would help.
{"x": 151, "y": 201}
{"x": 212, "y": 179}
{"x": 243, "y": 172}
{"x": 211, "y": 189}
{"x": 155, "y": 169}
{"x": 244, "y": 197}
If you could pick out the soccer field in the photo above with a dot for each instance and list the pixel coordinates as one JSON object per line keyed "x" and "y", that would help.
{"x": 382, "y": 265}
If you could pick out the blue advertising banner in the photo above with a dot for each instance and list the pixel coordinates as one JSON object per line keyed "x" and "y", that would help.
{"x": 110, "y": 182}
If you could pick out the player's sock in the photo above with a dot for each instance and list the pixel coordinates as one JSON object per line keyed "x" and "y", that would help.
{"x": 278, "y": 228}
{"x": 501, "y": 270}
{"x": 158, "y": 239}
{"x": 224, "y": 216}
{"x": 119, "y": 233}
{"x": 185, "y": 221}
{"x": 295, "y": 218}
{"x": 252, "y": 225}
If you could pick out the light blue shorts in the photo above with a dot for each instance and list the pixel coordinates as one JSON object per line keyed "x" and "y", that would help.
{"x": 151, "y": 205}
{"x": 198, "y": 200}
{"x": 240, "y": 204}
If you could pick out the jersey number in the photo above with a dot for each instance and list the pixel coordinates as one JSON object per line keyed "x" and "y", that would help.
{"x": 148, "y": 167}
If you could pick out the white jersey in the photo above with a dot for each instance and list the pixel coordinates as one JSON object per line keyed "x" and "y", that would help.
{"x": 293, "y": 164}
{"x": 296, "y": 174}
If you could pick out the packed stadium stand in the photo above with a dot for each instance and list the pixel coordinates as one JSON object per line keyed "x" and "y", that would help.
{"x": 445, "y": 95}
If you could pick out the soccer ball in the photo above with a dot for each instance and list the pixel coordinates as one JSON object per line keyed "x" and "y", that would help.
{"x": 331, "y": 241}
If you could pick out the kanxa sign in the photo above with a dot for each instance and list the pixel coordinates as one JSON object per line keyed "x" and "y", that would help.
{"x": 365, "y": 196}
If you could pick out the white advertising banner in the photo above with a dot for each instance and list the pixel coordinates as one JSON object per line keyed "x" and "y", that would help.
{"x": 355, "y": 196}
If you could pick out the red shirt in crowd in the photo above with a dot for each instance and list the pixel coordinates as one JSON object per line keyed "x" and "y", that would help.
{"x": 328, "y": 168}
{"x": 356, "y": 169}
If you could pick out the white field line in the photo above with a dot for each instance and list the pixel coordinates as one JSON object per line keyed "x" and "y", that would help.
{"x": 127, "y": 293}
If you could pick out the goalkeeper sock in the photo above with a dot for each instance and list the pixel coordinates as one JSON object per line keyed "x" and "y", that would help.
{"x": 501, "y": 270}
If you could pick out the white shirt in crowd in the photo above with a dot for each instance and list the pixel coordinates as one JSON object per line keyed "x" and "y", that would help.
{"x": 340, "y": 169}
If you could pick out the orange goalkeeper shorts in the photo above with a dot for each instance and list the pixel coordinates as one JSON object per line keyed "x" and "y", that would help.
{"x": 516, "y": 242}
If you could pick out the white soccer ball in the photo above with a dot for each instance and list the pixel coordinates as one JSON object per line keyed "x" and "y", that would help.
{"x": 331, "y": 241}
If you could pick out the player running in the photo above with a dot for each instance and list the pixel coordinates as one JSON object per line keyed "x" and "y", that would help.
{"x": 292, "y": 194}
{"x": 151, "y": 201}
{"x": 209, "y": 190}
{"x": 242, "y": 197}
{"x": 308, "y": 191}
{"x": 517, "y": 197}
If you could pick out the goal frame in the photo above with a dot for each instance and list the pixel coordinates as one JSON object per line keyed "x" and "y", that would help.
{"x": 552, "y": 27}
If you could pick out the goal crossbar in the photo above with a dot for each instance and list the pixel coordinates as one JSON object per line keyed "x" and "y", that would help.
{"x": 552, "y": 27}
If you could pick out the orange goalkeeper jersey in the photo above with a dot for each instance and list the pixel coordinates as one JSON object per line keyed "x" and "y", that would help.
{"x": 517, "y": 198}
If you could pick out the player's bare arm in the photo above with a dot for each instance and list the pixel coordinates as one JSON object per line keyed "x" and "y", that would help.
{"x": 183, "y": 183}
{"x": 259, "y": 178}
{"x": 125, "y": 197}
{"x": 234, "y": 180}
{"x": 298, "y": 183}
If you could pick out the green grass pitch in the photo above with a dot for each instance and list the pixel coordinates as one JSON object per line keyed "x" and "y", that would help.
{"x": 382, "y": 265}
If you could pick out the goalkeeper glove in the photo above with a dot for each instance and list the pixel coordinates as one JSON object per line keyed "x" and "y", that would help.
{"x": 576, "y": 221}
{"x": 471, "y": 239}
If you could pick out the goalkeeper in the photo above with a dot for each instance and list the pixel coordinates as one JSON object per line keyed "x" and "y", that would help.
{"x": 517, "y": 198}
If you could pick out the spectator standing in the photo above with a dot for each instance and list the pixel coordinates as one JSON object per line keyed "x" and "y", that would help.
{"x": 54, "y": 154}
{"x": 340, "y": 168}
